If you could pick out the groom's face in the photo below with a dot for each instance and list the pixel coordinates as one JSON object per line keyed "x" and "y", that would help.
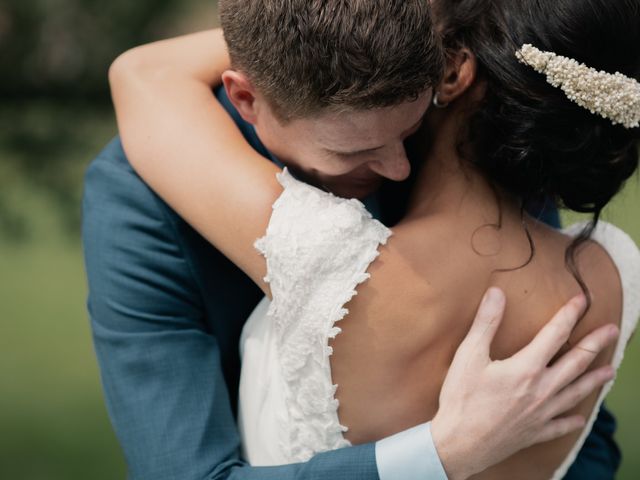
{"x": 349, "y": 152}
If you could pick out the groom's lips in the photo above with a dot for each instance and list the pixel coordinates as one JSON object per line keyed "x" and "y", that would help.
{"x": 367, "y": 180}
{"x": 363, "y": 180}
{"x": 361, "y": 187}
{"x": 370, "y": 184}
{"x": 353, "y": 184}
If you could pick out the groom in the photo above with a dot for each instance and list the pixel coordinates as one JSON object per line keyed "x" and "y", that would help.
{"x": 167, "y": 308}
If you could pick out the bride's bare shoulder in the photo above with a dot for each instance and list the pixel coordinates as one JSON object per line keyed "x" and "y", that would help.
{"x": 595, "y": 267}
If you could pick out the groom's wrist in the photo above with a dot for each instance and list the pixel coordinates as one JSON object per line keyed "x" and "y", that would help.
{"x": 449, "y": 446}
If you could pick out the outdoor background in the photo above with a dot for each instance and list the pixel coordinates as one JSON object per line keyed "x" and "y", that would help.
{"x": 55, "y": 116}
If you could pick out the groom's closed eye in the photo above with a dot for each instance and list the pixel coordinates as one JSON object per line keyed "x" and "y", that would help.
{"x": 356, "y": 153}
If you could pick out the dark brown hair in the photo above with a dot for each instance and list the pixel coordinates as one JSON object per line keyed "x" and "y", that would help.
{"x": 526, "y": 136}
{"x": 308, "y": 55}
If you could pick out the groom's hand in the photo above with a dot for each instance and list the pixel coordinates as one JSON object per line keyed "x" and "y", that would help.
{"x": 489, "y": 410}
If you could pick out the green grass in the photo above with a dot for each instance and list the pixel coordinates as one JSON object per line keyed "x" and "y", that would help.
{"x": 52, "y": 417}
{"x": 53, "y": 423}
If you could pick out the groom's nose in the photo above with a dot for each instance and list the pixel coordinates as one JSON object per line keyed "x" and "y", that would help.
{"x": 395, "y": 165}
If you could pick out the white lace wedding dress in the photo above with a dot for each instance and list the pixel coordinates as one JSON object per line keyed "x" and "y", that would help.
{"x": 318, "y": 248}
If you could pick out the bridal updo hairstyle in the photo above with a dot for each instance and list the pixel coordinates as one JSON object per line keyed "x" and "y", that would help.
{"x": 526, "y": 136}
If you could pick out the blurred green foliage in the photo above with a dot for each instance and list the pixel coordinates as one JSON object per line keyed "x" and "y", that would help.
{"x": 54, "y": 94}
{"x": 45, "y": 144}
{"x": 61, "y": 48}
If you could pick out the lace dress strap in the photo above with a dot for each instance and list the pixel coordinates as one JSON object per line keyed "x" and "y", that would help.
{"x": 318, "y": 248}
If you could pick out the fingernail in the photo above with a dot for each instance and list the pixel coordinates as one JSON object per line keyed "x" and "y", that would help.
{"x": 613, "y": 332}
{"x": 580, "y": 301}
{"x": 494, "y": 296}
{"x": 609, "y": 373}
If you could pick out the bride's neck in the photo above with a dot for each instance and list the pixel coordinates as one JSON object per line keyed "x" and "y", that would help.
{"x": 450, "y": 184}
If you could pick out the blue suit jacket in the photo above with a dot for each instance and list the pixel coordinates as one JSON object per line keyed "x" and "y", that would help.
{"x": 167, "y": 310}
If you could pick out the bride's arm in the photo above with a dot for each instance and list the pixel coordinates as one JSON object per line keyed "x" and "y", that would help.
{"x": 183, "y": 143}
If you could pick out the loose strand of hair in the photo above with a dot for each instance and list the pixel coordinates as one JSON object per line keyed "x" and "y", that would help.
{"x": 532, "y": 245}
{"x": 570, "y": 257}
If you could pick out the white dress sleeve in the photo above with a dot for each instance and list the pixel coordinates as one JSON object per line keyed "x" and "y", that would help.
{"x": 318, "y": 248}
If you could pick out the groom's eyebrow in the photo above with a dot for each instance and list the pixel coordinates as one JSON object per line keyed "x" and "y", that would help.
{"x": 405, "y": 134}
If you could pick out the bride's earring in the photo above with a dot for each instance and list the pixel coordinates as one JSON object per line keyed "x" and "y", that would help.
{"x": 436, "y": 102}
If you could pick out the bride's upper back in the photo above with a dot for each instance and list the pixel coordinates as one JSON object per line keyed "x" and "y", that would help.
{"x": 399, "y": 333}
{"x": 408, "y": 319}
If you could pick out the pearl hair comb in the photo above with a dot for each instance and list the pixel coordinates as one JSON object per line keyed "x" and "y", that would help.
{"x": 613, "y": 96}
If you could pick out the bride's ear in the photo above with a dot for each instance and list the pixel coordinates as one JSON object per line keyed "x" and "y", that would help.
{"x": 459, "y": 76}
{"x": 242, "y": 94}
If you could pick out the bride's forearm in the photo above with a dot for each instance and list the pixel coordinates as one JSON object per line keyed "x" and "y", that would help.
{"x": 199, "y": 56}
{"x": 183, "y": 143}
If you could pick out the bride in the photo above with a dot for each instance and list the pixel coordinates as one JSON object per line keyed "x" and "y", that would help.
{"x": 510, "y": 125}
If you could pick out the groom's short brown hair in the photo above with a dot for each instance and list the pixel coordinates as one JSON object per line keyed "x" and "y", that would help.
{"x": 308, "y": 55}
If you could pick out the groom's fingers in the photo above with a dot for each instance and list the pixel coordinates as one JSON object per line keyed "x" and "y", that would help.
{"x": 578, "y": 391}
{"x": 576, "y": 361}
{"x": 560, "y": 427}
{"x": 485, "y": 325}
{"x": 548, "y": 342}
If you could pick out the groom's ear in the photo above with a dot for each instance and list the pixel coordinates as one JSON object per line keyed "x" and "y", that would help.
{"x": 459, "y": 75}
{"x": 241, "y": 94}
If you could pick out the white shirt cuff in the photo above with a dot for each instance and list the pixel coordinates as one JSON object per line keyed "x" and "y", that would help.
{"x": 409, "y": 455}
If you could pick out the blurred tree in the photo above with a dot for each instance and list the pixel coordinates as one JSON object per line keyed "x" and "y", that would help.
{"x": 55, "y": 112}
{"x": 63, "y": 47}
